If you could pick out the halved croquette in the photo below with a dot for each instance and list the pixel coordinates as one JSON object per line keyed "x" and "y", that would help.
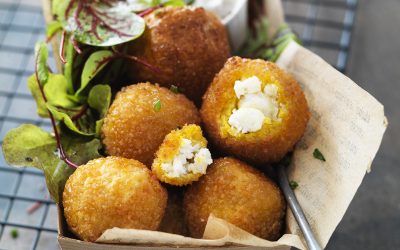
{"x": 254, "y": 111}
{"x": 182, "y": 157}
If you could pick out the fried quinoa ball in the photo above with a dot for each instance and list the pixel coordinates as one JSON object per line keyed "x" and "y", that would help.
{"x": 112, "y": 192}
{"x": 141, "y": 116}
{"x": 182, "y": 157}
{"x": 188, "y": 45}
{"x": 254, "y": 111}
{"x": 239, "y": 194}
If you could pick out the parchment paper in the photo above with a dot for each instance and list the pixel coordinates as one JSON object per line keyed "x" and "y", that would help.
{"x": 347, "y": 126}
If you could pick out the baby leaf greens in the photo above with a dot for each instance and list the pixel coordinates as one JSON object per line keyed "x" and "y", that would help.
{"x": 31, "y": 146}
{"x": 260, "y": 45}
{"x": 76, "y": 122}
{"x": 93, "y": 65}
{"x": 104, "y": 22}
{"x": 100, "y": 98}
{"x": 99, "y": 23}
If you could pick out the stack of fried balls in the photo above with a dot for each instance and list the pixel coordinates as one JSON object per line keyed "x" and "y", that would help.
{"x": 192, "y": 141}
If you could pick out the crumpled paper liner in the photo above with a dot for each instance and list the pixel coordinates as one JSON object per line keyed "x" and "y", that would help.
{"x": 218, "y": 232}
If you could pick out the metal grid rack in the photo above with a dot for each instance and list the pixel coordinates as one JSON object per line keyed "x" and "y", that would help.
{"x": 325, "y": 26}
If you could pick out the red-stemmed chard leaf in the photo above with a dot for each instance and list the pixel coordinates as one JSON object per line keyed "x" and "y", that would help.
{"x": 100, "y": 23}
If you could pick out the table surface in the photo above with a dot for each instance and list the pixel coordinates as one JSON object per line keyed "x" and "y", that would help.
{"x": 325, "y": 27}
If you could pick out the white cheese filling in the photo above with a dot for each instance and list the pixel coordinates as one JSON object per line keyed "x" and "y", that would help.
{"x": 191, "y": 158}
{"x": 254, "y": 105}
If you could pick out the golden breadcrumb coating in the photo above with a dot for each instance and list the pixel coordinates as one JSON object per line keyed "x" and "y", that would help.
{"x": 239, "y": 194}
{"x": 276, "y": 137}
{"x": 189, "y": 45}
{"x": 112, "y": 192}
{"x": 141, "y": 116}
{"x": 173, "y": 221}
{"x": 170, "y": 148}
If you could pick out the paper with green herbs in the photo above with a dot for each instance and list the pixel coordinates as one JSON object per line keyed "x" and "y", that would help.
{"x": 339, "y": 145}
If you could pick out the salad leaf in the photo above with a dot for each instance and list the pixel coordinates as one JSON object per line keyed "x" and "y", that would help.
{"x": 52, "y": 28}
{"x": 68, "y": 66}
{"x": 81, "y": 150}
{"x": 37, "y": 95}
{"x": 95, "y": 63}
{"x": 30, "y": 146}
{"x": 105, "y": 23}
{"x": 99, "y": 124}
{"x": 56, "y": 91}
{"x": 254, "y": 42}
{"x": 100, "y": 98}
{"x": 66, "y": 119}
{"x": 175, "y": 3}
{"x": 98, "y": 24}
{"x": 58, "y": 6}
{"x": 42, "y": 69}
{"x": 25, "y": 145}
{"x": 260, "y": 45}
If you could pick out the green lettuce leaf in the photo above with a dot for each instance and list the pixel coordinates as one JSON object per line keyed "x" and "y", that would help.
{"x": 100, "y": 98}
{"x": 56, "y": 91}
{"x": 70, "y": 56}
{"x": 52, "y": 28}
{"x": 30, "y": 146}
{"x": 260, "y": 45}
{"x": 66, "y": 119}
{"x": 94, "y": 64}
{"x": 41, "y": 54}
{"x": 37, "y": 95}
{"x": 117, "y": 25}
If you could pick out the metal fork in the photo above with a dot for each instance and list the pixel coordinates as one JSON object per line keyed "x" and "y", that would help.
{"x": 294, "y": 205}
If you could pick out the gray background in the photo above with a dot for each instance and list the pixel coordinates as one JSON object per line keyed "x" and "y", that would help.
{"x": 372, "y": 220}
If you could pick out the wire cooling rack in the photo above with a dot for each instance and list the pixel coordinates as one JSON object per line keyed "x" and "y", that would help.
{"x": 325, "y": 27}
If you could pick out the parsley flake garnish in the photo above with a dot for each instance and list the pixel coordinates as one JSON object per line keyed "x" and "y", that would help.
{"x": 293, "y": 185}
{"x": 157, "y": 105}
{"x": 174, "y": 89}
{"x": 318, "y": 155}
{"x": 14, "y": 233}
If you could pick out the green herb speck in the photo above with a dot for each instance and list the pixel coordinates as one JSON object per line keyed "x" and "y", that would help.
{"x": 157, "y": 105}
{"x": 174, "y": 89}
{"x": 293, "y": 185}
{"x": 318, "y": 155}
{"x": 14, "y": 233}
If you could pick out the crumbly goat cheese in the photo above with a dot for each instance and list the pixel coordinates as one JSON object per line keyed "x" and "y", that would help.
{"x": 254, "y": 105}
{"x": 250, "y": 85}
{"x": 191, "y": 158}
{"x": 246, "y": 120}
